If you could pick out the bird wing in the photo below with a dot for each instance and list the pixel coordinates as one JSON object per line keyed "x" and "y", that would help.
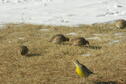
{"x": 86, "y": 70}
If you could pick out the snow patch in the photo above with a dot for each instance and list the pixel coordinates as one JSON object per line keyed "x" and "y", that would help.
{"x": 61, "y": 12}
{"x": 100, "y": 34}
{"x": 119, "y": 34}
{"x": 94, "y": 38}
{"x": 114, "y": 41}
{"x": 72, "y": 34}
{"x": 86, "y": 55}
{"x": 21, "y": 38}
{"x": 44, "y": 30}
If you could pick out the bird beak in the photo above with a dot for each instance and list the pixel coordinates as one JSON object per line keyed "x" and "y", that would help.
{"x": 74, "y": 63}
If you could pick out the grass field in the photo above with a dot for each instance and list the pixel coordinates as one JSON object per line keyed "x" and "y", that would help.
{"x": 53, "y": 63}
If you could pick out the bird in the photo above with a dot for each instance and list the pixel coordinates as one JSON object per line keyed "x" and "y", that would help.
{"x": 121, "y": 23}
{"x": 58, "y": 38}
{"x": 24, "y": 50}
{"x": 82, "y": 70}
{"x": 79, "y": 41}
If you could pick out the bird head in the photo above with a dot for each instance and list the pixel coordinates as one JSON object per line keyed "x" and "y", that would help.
{"x": 76, "y": 62}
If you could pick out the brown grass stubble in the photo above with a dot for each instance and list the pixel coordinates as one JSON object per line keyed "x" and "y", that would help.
{"x": 53, "y": 62}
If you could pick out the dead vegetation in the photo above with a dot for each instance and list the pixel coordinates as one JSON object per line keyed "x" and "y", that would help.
{"x": 51, "y": 63}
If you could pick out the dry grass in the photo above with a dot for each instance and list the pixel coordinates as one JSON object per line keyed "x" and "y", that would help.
{"x": 52, "y": 63}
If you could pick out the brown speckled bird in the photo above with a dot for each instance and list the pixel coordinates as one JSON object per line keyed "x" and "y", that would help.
{"x": 121, "y": 23}
{"x": 24, "y": 50}
{"x": 58, "y": 38}
{"x": 79, "y": 41}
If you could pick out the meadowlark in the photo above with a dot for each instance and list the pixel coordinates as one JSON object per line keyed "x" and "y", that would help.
{"x": 79, "y": 41}
{"x": 58, "y": 38}
{"x": 82, "y": 70}
{"x": 24, "y": 50}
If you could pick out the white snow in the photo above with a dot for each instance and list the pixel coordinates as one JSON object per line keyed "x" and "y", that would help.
{"x": 21, "y": 38}
{"x": 72, "y": 34}
{"x": 86, "y": 55}
{"x": 44, "y": 30}
{"x": 100, "y": 34}
{"x": 94, "y": 38}
{"x": 114, "y": 41}
{"x": 61, "y": 12}
{"x": 119, "y": 33}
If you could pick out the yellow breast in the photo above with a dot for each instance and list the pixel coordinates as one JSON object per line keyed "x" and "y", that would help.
{"x": 80, "y": 72}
